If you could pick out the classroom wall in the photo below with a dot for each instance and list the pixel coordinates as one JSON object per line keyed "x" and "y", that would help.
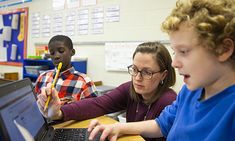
{"x": 139, "y": 21}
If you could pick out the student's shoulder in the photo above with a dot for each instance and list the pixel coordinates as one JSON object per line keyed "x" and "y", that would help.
{"x": 47, "y": 72}
{"x": 77, "y": 73}
{"x": 82, "y": 76}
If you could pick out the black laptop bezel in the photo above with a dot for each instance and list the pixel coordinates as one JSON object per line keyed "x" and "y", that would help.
{"x": 9, "y": 88}
{"x": 4, "y": 81}
{"x": 6, "y": 89}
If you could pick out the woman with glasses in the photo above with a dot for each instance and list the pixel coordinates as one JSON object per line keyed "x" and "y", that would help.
{"x": 143, "y": 98}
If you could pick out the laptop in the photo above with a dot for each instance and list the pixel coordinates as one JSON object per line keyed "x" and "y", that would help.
{"x": 4, "y": 81}
{"x": 21, "y": 120}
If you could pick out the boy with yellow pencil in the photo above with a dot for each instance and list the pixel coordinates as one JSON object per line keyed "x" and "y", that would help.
{"x": 53, "y": 85}
{"x": 70, "y": 84}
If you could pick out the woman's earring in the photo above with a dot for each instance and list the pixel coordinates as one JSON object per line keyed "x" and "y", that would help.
{"x": 161, "y": 82}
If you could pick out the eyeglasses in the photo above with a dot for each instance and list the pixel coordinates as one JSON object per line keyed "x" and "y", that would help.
{"x": 146, "y": 74}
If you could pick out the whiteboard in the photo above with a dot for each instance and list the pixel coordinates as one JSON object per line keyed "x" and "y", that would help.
{"x": 118, "y": 55}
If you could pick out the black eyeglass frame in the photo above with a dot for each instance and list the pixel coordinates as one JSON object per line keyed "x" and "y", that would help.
{"x": 141, "y": 72}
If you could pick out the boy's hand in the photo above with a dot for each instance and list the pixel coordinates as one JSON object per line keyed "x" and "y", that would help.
{"x": 108, "y": 131}
{"x": 53, "y": 111}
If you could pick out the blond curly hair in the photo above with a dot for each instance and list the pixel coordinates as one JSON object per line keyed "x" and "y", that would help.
{"x": 213, "y": 21}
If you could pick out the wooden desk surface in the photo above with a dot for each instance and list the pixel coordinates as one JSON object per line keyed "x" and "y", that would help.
{"x": 103, "y": 120}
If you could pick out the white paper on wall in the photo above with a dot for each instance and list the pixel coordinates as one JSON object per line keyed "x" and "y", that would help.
{"x": 113, "y": 13}
{"x": 6, "y": 33}
{"x": 73, "y": 3}
{"x": 58, "y": 21}
{"x": 15, "y": 21}
{"x": 3, "y": 50}
{"x": 46, "y": 25}
{"x": 3, "y": 56}
{"x": 1, "y": 22}
{"x": 88, "y": 2}
{"x": 58, "y": 4}
{"x": 13, "y": 52}
{"x": 35, "y": 25}
{"x": 97, "y": 26}
{"x": 70, "y": 19}
{"x": 83, "y": 22}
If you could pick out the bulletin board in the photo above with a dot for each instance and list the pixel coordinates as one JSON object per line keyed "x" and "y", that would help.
{"x": 13, "y": 36}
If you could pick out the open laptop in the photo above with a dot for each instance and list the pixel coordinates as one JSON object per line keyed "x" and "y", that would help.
{"x": 4, "y": 81}
{"x": 20, "y": 118}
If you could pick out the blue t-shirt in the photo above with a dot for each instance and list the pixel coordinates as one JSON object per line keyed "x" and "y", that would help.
{"x": 189, "y": 119}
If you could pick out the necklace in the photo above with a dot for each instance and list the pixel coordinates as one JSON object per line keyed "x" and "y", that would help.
{"x": 137, "y": 110}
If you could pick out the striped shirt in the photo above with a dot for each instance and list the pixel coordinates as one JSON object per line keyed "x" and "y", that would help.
{"x": 71, "y": 84}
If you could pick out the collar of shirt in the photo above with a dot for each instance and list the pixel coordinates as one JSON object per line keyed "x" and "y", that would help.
{"x": 64, "y": 75}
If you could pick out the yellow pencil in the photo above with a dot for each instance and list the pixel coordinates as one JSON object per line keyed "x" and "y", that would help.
{"x": 53, "y": 84}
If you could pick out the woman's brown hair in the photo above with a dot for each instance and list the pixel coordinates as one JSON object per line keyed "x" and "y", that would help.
{"x": 163, "y": 59}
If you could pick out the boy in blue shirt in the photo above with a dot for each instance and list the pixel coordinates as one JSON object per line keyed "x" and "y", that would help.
{"x": 202, "y": 35}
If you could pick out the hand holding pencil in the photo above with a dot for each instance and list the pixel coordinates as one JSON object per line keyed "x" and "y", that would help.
{"x": 53, "y": 84}
{"x": 53, "y": 111}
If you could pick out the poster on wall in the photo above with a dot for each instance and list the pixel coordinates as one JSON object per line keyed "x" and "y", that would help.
{"x": 6, "y": 3}
{"x": 13, "y": 36}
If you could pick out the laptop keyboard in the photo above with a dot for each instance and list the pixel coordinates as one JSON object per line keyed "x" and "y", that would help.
{"x": 73, "y": 134}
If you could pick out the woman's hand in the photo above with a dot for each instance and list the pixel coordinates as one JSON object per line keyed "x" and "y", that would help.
{"x": 53, "y": 111}
{"x": 110, "y": 131}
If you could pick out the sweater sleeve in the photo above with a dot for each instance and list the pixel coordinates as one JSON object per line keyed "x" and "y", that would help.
{"x": 113, "y": 101}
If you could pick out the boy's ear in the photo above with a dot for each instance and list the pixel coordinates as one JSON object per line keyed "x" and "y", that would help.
{"x": 228, "y": 49}
{"x": 73, "y": 52}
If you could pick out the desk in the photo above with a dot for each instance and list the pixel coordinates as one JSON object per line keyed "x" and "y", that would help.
{"x": 103, "y": 120}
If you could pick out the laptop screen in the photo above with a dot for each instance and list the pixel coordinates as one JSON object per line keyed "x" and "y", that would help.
{"x": 18, "y": 108}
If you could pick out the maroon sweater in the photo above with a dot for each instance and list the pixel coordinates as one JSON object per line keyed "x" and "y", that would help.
{"x": 117, "y": 100}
